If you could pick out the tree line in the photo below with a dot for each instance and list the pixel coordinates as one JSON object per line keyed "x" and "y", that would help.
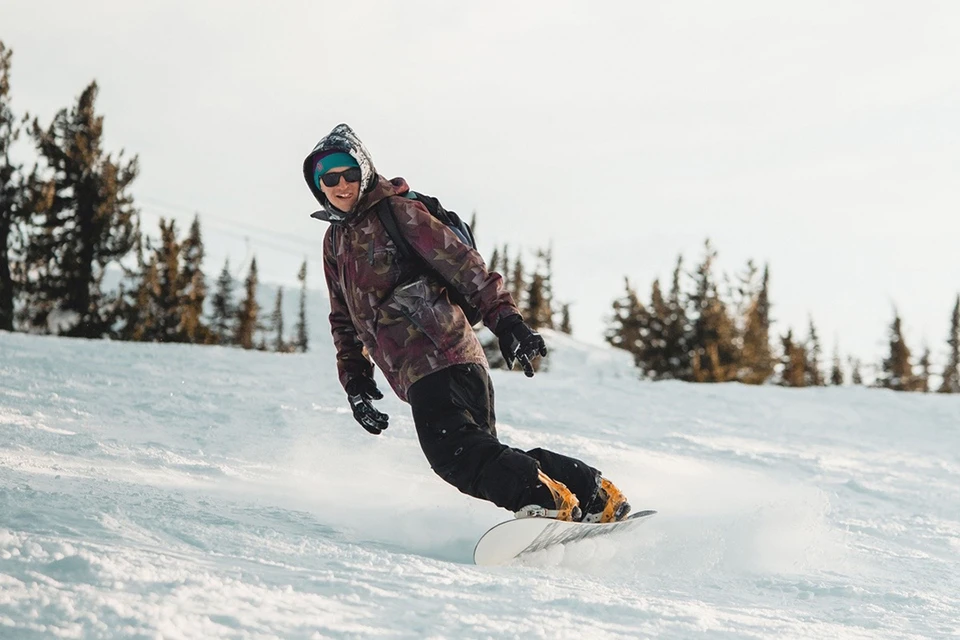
{"x": 70, "y": 220}
{"x": 705, "y": 329}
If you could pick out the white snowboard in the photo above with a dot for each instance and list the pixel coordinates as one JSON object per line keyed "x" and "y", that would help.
{"x": 514, "y": 538}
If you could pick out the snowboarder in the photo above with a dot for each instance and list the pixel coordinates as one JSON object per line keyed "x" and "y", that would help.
{"x": 398, "y": 312}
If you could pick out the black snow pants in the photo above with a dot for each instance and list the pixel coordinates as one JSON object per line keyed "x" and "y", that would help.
{"x": 454, "y": 413}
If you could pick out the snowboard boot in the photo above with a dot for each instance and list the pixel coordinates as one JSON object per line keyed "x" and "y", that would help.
{"x": 565, "y": 503}
{"x": 609, "y": 505}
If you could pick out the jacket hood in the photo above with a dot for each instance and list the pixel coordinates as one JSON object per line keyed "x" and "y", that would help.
{"x": 344, "y": 139}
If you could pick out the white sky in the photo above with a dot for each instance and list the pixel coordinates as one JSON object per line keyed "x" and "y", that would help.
{"x": 822, "y": 137}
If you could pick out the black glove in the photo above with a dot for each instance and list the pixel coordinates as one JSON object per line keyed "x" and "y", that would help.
{"x": 360, "y": 391}
{"x": 518, "y": 342}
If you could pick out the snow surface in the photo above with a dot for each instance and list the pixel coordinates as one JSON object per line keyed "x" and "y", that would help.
{"x": 169, "y": 491}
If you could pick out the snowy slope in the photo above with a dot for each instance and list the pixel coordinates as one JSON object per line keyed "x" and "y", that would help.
{"x": 196, "y": 492}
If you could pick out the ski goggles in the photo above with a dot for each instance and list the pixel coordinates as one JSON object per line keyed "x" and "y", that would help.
{"x": 332, "y": 178}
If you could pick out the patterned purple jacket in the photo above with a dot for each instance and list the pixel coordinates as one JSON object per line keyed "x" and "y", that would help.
{"x": 395, "y": 311}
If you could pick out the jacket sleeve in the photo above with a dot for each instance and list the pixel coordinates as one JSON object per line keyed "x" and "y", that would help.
{"x": 457, "y": 263}
{"x": 351, "y": 359}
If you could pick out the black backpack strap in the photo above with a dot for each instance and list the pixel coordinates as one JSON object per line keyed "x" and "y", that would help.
{"x": 389, "y": 222}
{"x": 333, "y": 239}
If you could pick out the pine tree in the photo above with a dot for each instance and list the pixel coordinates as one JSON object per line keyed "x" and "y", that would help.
{"x": 130, "y": 286}
{"x": 922, "y": 380}
{"x": 539, "y": 308}
{"x": 224, "y": 313}
{"x": 629, "y": 324}
{"x": 951, "y": 372}
{"x": 547, "y": 308}
{"x": 90, "y": 224}
{"x": 194, "y": 287}
{"x": 505, "y": 266}
{"x": 756, "y": 360}
{"x": 248, "y": 310}
{"x": 896, "y": 370}
{"x": 655, "y": 353}
{"x": 495, "y": 260}
{"x": 565, "y": 326}
{"x": 856, "y": 378}
{"x": 715, "y": 354}
{"x": 794, "y": 372}
{"x": 740, "y": 296}
{"x": 276, "y": 322}
{"x": 12, "y": 199}
{"x": 142, "y": 314}
{"x": 677, "y": 331}
{"x": 302, "y": 338}
{"x": 813, "y": 372}
{"x": 170, "y": 292}
{"x": 740, "y": 293}
{"x": 518, "y": 284}
{"x": 836, "y": 372}
{"x": 535, "y": 313}
{"x": 149, "y": 323}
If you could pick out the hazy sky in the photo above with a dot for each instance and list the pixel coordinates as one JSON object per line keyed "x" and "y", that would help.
{"x": 821, "y": 137}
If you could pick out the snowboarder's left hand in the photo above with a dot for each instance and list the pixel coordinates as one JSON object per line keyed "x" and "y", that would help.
{"x": 360, "y": 391}
{"x": 520, "y": 343}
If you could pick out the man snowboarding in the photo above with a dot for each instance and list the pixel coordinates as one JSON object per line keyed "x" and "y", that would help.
{"x": 399, "y": 313}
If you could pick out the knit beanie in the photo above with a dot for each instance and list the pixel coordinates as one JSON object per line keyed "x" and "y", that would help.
{"x": 335, "y": 158}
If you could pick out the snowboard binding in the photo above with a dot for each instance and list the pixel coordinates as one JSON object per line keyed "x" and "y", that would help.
{"x": 610, "y": 505}
{"x": 565, "y": 502}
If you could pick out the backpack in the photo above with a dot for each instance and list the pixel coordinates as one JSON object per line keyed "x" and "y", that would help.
{"x": 460, "y": 228}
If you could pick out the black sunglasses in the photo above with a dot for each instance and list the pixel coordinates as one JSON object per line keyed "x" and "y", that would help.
{"x": 332, "y": 179}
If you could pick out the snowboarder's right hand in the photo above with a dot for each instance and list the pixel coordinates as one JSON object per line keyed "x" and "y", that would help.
{"x": 360, "y": 391}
